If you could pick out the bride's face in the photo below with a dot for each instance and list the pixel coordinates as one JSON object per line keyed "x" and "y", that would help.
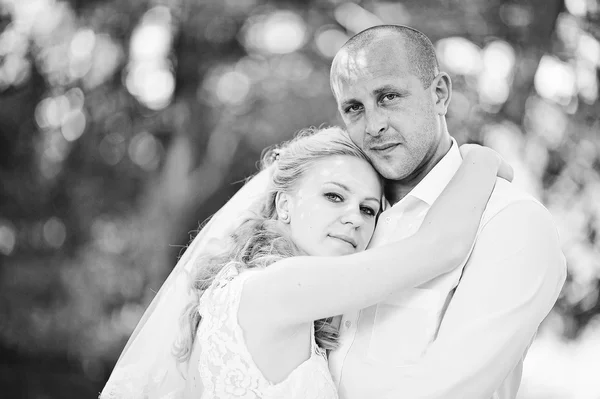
{"x": 334, "y": 207}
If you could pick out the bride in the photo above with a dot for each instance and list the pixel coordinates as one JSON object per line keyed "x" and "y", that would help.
{"x": 248, "y": 312}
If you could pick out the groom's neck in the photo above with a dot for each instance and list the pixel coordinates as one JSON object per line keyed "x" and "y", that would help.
{"x": 395, "y": 190}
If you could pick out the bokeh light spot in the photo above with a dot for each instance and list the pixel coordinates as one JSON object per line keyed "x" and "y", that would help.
{"x": 107, "y": 56}
{"x": 232, "y": 88}
{"x": 73, "y": 125}
{"x": 75, "y": 97}
{"x": 459, "y": 55}
{"x": 107, "y": 235}
{"x": 144, "y": 151}
{"x": 517, "y": 15}
{"x": 51, "y": 111}
{"x": 150, "y": 41}
{"x": 547, "y": 120}
{"x": 568, "y": 30}
{"x": 55, "y": 232}
{"x": 82, "y": 43}
{"x": 13, "y": 41}
{"x": 280, "y": 32}
{"x": 493, "y": 91}
{"x": 41, "y": 117}
{"x": 587, "y": 82}
{"x": 576, "y": 7}
{"x": 152, "y": 83}
{"x": 55, "y": 146}
{"x": 589, "y": 49}
{"x": 8, "y": 237}
{"x": 499, "y": 59}
{"x": 329, "y": 41}
{"x": 555, "y": 80}
{"x": 112, "y": 148}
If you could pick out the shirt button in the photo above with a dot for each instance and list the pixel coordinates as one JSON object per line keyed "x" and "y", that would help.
{"x": 388, "y": 219}
{"x": 348, "y": 323}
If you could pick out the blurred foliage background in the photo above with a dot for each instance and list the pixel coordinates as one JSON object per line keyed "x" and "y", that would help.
{"x": 124, "y": 124}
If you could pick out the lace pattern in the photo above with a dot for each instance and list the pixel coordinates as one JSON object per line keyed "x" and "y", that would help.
{"x": 138, "y": 382}
{"x": 225, "y": 365}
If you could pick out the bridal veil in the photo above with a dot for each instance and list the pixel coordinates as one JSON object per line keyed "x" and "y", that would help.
{"x": 147, "y": 368}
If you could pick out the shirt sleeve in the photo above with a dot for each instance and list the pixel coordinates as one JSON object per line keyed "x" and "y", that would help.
{"x": 509, "y": 285}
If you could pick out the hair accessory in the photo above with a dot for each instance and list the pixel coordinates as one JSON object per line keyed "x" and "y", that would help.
{"x": 275, "y": 154}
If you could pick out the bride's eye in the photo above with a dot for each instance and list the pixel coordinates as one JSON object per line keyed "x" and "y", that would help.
{"x": 333, "y": 197}
{"x": 368, "y": 210}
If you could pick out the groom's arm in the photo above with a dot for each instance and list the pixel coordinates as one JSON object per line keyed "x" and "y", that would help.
{"x": 509, "y": 285}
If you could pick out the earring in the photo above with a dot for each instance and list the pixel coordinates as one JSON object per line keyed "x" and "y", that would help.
{"x": 284, "y": 218}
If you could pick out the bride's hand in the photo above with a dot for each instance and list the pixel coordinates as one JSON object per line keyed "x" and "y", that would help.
{"x": 505, "y": 171}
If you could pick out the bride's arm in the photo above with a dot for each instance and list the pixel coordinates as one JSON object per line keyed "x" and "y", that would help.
{"x": 306, "y": 288}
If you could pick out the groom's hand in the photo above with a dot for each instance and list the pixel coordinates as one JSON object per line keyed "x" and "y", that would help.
{"x": 505, "y": 171}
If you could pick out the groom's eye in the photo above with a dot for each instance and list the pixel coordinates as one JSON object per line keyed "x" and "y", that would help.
{"x": 353, "y": 108}
{"x": 389, "y": 97}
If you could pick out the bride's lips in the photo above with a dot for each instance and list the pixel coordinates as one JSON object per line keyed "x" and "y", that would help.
{"x": 344, "y": 238}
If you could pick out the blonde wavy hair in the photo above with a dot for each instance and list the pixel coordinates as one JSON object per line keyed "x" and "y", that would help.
{"x": 261, "y": 239}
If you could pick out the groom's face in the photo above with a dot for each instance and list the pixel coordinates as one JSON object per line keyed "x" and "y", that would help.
{"x": 386, "y": 109}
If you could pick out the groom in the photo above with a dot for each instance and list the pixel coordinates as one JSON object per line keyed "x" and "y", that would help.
{"x": 464, "y": 334}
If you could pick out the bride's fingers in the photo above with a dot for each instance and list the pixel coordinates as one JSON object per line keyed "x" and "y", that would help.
{"x": 505, "y": 171}
{"x": 466, "y": 148}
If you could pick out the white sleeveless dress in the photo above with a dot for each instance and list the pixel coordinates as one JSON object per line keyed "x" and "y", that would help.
{"x": 225, "y": 365}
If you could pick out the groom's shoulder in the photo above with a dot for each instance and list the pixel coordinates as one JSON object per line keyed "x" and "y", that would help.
{"x": 505, "y": 194}
{"x": 505, "y": 191}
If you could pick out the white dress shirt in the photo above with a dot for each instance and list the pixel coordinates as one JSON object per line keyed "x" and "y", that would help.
{"x": 447, "y": 340}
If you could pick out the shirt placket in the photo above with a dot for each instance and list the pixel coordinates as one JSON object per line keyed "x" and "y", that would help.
{"x": 349, "y": 323}
{"x": 395, "y": 224}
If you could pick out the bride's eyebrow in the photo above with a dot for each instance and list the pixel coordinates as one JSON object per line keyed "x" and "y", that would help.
{"x": 343, "y": 186}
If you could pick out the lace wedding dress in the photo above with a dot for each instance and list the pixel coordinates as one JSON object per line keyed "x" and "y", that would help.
{"x": 147, "y": 368}
{"x": 225, "y": 364}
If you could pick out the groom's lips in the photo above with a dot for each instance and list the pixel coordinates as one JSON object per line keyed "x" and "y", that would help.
{"x": 384, "y": 147}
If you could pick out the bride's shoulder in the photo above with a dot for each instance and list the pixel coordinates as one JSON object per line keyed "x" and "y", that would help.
{"x": 227, "y": 274}
{"x": 228, "y": 284}
{"x": 233, "y": 275}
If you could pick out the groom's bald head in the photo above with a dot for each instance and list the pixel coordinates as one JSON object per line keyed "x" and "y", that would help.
{"x": 415, "y": 46}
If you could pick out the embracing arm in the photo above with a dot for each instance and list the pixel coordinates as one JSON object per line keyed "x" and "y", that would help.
{"x": 509, "y": 285}
{"x": 301, "y": 289}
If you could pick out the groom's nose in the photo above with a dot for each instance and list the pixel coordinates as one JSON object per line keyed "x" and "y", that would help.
{"x": 376, "y": 123}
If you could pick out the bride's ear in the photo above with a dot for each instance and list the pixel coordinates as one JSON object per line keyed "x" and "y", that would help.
{"x": 282, "y": 206}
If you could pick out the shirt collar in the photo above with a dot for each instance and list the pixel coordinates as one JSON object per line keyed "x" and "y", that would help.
{"x": 432, "y": 185}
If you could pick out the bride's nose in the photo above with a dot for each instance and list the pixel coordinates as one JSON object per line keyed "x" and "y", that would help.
{"x": 352, "y": 216}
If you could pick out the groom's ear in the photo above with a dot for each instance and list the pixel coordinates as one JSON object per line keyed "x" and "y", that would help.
{"x": 282, "y": 206}
{"x": 442, "y": 91}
